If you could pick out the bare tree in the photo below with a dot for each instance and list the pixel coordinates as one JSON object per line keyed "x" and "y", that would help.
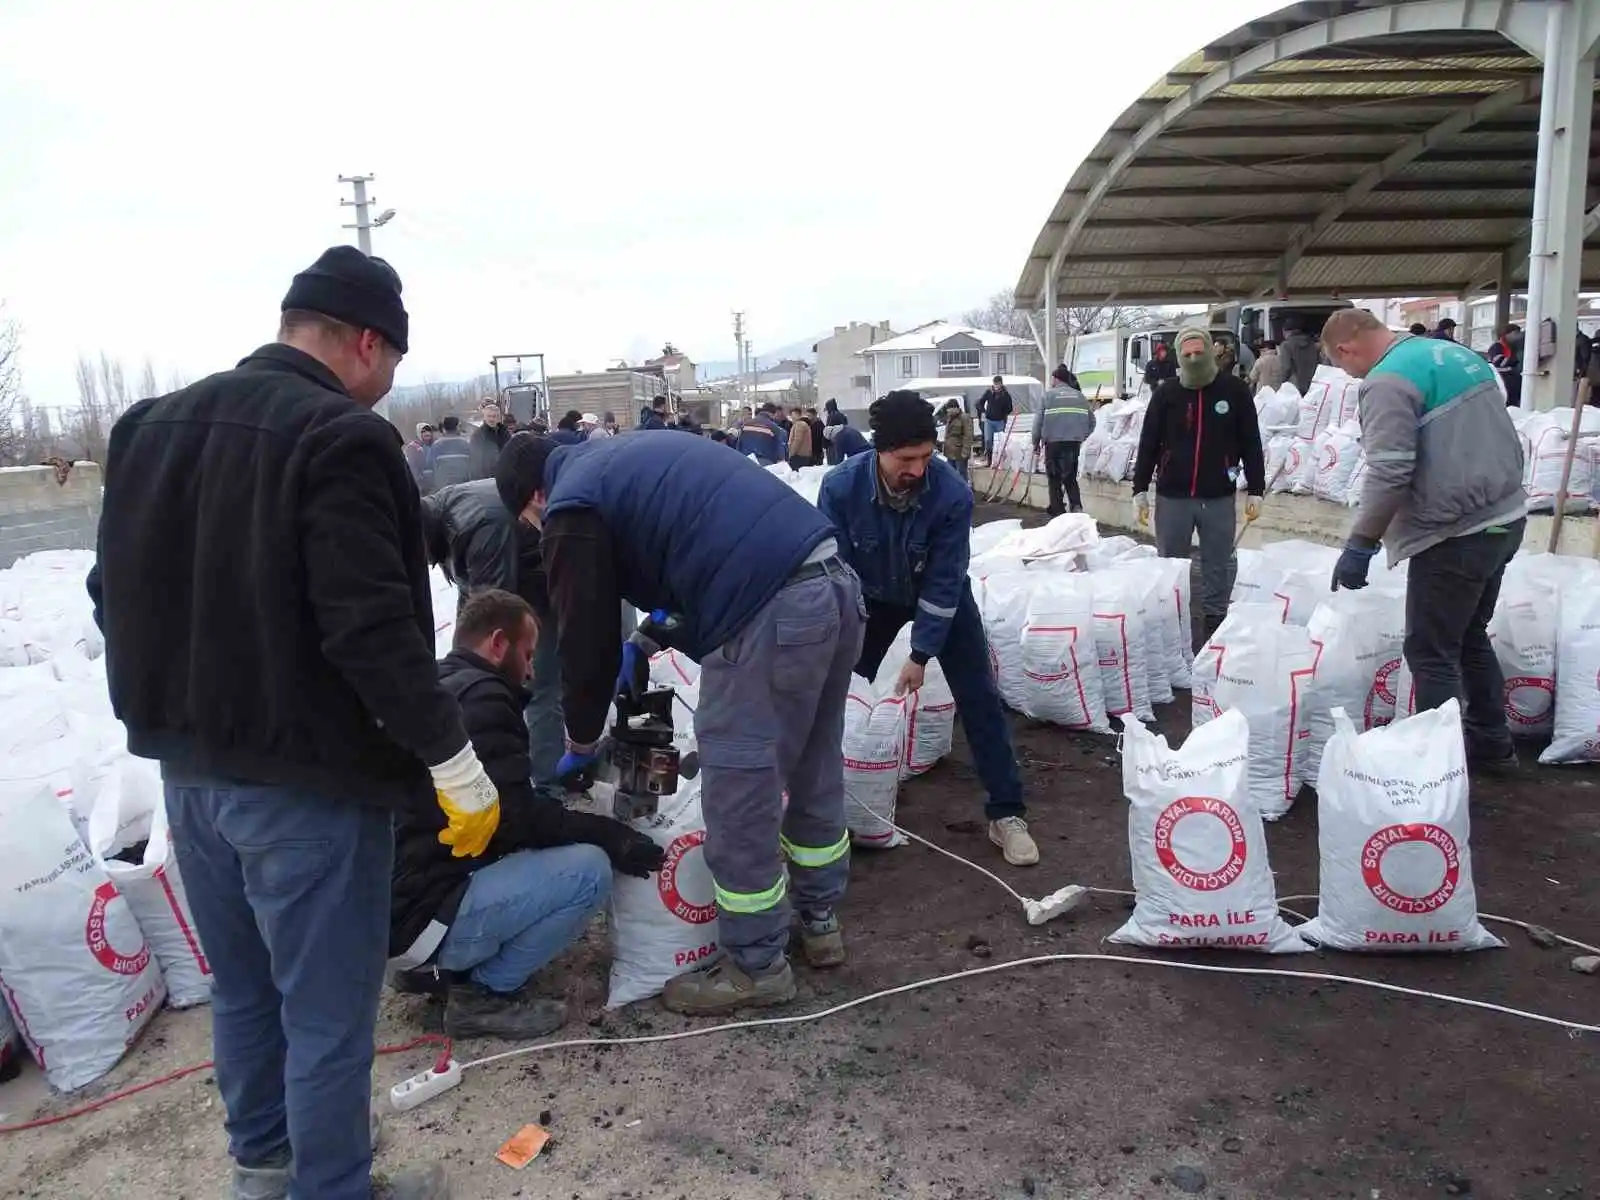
{"x": 147, "y": 381}
{"x": 11, "y": 397}
{"x": 1001, "y": 315}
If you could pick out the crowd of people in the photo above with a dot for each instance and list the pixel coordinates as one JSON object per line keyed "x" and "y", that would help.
{"x": 348, "y": 810}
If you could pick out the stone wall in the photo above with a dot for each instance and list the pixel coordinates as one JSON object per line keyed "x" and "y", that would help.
{"x": 37, "y": 513}
{"x": 1282, "y": 516}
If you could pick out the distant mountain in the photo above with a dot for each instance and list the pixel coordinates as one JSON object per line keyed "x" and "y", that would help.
{"x": 765, "y": 357}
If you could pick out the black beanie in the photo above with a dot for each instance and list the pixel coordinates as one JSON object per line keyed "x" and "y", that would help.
{"x": 355, "y": 288}
{"x": 519, "y": 472}
{"x": 901, "y": 419}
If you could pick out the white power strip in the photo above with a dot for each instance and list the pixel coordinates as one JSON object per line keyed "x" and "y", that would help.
{"x": 412, "y": 1092}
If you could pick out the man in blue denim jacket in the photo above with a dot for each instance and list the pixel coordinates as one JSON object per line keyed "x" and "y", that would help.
{"x": 904, "y": 521}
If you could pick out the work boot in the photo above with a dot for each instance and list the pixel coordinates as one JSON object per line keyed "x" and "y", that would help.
{"x": 723, "y": 987}
{"x": 471, "y": 1011}
{"x": 272, "y": 1182}
{"x": 1011, "y": 835}
{"x": 820, "y": 940}
{"x": 420, "y": 981}
{"x": 1495, "y": 766}
{"x": 259, "y": 1183}
{"x": 429, "y": 1184}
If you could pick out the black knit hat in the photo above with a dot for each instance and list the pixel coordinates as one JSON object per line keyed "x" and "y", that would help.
{"x": 355, "y": 288}
{"x": 519, "y": 472}
{"x": 901, "y": 419}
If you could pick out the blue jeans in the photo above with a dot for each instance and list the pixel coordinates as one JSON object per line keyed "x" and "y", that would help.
{"x": 991, "y": 431}
{"x": 290, "y": 892}
{"x": 522, "y": 911}
{"x": 965, "y": 662}
{"x": 547, "y": 736}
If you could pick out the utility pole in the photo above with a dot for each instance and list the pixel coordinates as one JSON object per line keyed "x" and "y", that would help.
{"x": 362, "y": 204}
{"x": 738, "y": 347}
{"x": 755, "y": 375}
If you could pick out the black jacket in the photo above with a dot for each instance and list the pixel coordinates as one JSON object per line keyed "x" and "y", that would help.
{"x": 997, "y": 405}
{"x": 1160, "y": 369}
{"x": 485, "y": 447}
{"x": 263, "y": 588}
{"x": 1197, "y": 436}
{"x": 818, "y": 447}
{"x": 428, "y": 881}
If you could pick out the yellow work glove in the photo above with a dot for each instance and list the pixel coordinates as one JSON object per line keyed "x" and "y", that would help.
{"x": 1252, "y": 507}
{"x": 1141, "y": 504}
{"x": 470, "y": 802}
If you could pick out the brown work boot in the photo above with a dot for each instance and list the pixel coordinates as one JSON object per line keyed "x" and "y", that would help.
{"x": 723, "y": 988}
{"x": 471, "y": 1011}
{"x": 428, "y": 1184}
{"x": 821, "y": 941}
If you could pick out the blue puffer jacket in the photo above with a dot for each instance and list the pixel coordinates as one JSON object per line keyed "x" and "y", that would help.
{"x": 765, "y": 438}
{"x": 915, "y": 559}
{"x": 697, "y": 530}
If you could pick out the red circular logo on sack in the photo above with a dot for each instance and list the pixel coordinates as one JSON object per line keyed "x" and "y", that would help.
{"x": 667, "y": 882}
{"x": 1392, "y": 835}
{"x": 94, "y": 934}
{"x": 1525, "y": 709}
{"x": 1382, "y": 692}
{"x": 1238, "y": 850}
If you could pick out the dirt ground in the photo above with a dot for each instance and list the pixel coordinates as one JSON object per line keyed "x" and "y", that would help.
{"x": 1064, "y": 1080}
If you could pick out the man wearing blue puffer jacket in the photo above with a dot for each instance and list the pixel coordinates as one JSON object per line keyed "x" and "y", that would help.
{"x": 904, "y": 520}
{"x": 683, "y": 527}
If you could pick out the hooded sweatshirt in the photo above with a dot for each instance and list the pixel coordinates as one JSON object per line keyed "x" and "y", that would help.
{"x": 1198, "y": 429}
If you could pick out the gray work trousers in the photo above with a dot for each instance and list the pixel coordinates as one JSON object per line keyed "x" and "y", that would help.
{"x": 1177, "y": 518}
{"x": 771, "y": 716}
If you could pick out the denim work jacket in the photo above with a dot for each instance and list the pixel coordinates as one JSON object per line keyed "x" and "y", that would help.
{"x": 915, "y": 559}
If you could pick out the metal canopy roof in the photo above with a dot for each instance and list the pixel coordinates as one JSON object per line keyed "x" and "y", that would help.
{"x": 1354, "y": 147}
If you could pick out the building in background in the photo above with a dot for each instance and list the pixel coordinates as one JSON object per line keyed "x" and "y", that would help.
{"x": 940, "y": 355}
{"x": 842, "y": 374}
{"x": 675, "y": 367}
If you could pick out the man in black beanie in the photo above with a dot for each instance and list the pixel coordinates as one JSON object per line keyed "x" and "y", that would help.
{"x": 741, "y": 574}
{"x": 263, "y": 589}
{"x": 904, "y": 520}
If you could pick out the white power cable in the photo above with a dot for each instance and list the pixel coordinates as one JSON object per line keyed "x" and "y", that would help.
{"x": 1572, "y": 1027}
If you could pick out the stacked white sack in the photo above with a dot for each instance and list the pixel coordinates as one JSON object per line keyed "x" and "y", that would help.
{"x": 1198, "y": 847}
{"x": 1361, "y": 635}
{"x": 1257, "y": 664}
{"x": 930, "y": 710}
{"x": 1545, "y": 437}
{"x": 1339, "y": 457}
{"x": 1058, "y": 656}
{"x": 1394, "y": 836}
{"x": 875, "y": 729}
{"x": 1576, "y": 737}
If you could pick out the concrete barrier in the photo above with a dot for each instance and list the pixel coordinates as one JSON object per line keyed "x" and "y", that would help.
{"x": 1282, "y": 516}
{"x": 37, "y": 513}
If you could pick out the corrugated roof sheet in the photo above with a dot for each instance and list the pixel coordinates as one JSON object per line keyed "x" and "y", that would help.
{"x": 1209, "y": 205}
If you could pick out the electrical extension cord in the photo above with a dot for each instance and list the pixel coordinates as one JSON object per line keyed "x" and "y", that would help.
{"x": 421, "y": 1088}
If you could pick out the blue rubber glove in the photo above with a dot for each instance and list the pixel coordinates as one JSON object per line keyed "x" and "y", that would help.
{"x": 633, "y": 680}
{"x": 575, "y": 771}
{"x": 1350, "y": 572}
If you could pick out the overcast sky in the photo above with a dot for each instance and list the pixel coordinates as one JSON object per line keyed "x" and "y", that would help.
{"x": 583, "y": 179}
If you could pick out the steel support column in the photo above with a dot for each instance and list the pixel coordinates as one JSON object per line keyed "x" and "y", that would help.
{"x": 1554, "y": 281}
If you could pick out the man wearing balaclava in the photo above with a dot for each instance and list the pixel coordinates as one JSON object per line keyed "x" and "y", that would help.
{"x": 1201, "y": 431}
{"x": 904, "y": 520}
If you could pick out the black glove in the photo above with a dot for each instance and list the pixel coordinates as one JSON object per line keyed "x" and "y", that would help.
{"x": 1350, "y": 572}
{"x": 635, "y": 854}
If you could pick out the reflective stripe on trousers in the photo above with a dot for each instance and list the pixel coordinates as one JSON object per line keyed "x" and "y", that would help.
{"x": 753, "y": 902}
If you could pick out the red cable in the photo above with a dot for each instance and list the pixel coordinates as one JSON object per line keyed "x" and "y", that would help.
{"x": 428, "y": 1039}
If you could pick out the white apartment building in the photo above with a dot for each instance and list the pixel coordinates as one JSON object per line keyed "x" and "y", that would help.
{"x": 841, "y": 373}
{"x": 941, "y": 354}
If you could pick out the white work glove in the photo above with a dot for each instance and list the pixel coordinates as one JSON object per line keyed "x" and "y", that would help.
{"x": 470, "y": 802}
{"x": 1252, "y": 507}
{"x": 1141, "y": 504}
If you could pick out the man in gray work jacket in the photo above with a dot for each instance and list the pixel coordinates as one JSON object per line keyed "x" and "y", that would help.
{"x": 1062, "y": 426}
{"x": 1443, "y": 489}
